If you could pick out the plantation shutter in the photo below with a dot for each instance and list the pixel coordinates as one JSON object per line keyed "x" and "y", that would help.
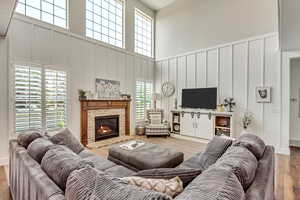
{"x": 139, "y": 101}
{"x": 148, "y": 95}
{"x": 28, "y": 98}
{"x": 55, "y": 99}
{"x": 143, "y": 99}
{"x": 40, "y": 98}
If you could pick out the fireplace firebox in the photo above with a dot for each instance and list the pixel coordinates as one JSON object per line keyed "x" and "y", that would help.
{"x": 106, "y": 127}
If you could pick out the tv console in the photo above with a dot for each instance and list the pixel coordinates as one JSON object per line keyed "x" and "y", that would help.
{"x": 204, "y": 124}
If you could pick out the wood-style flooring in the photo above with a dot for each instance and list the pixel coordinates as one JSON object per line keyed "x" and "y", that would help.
{"x": 287, "y": 170}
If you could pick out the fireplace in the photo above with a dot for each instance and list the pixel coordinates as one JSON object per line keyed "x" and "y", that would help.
{"x": 106, "y": 127}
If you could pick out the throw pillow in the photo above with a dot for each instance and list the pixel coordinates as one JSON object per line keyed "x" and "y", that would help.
{"x": 212, "y": 184}
{"x": 65, "y": 137}
{"x": 241, "y": 162}
{"x": 26, "y": 137}
{"x": 171, "y": 187}
{"x": 89, "y": 183}
{"x": 59, "y": 162}
{"x": 253, "y": 143}
{"x": 38, "y": 148}
{"x": 186, "y": 175}
{"x": 214, "y": 150}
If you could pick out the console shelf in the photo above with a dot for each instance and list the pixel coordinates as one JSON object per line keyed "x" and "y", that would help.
{"x": 204, "y": 124}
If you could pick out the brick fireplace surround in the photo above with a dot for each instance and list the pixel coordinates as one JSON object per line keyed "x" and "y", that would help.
{"x": 96, "y": 108}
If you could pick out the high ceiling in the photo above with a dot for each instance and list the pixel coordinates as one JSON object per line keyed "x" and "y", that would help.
{"x": 157, "y": 4}
{"x": 6, "y": 12}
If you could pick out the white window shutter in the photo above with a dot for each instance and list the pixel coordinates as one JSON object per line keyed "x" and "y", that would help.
{"x": 40, "y": 98}
{"x": 143, "y": 99}
{"x": 28, "y": 98}
{"x": 55, "y": 99}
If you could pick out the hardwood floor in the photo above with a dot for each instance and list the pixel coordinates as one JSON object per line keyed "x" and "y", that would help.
{"x": 287, "y": 169}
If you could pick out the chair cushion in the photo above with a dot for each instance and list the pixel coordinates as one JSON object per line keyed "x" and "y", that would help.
{"x": 26, "y": 137}
{"x": 186, "y": 175}
{"x": 59, "y": 162}
{"x": 38, "y": 148}
{"x": 241, "y": 162}
{"x": 253, "y": 143}
{"x": 171, "y": 187}
{"x": 65, "y": 137}
{"x": 213, "y": 151}
{"x": 214, "y": 184}
{"x": 89, "y": 183}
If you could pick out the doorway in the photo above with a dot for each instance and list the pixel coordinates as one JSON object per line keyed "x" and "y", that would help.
{"x": 295, "y": 102}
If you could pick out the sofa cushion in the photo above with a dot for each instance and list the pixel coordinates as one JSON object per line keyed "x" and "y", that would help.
{"x": 214, "y": 184}
{"x": 38, "y": 148}
{"x": 89, "y": 183}
{"x": 65, "y": 137}
{"x": 186, "y": 175}
{"x": 241, "y": 162}
{"x": 171, "y": 187}
{"x": 213, "y": 151}
{"x": 59, "y": 162}
{"x": 26, "y": 137}
{"x": 253, "y": 143}
{"x": 119, "y": 171}
{"x": 100, "y": 163}
{"x": 86, "y": 153}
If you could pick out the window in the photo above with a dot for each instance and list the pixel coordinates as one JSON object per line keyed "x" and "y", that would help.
{"x": 50, "y": 11}
{"x": 143, "y": 33}
{"x": 143, "y": 99}
{"x": 40, "y": 98}
{"x": 104, "y": 21}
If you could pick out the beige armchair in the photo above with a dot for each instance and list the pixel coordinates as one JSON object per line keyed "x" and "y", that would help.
{"x": 155, "y": 124}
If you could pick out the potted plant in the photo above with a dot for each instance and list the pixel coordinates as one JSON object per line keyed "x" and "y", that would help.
{"x": 82, "y": 94}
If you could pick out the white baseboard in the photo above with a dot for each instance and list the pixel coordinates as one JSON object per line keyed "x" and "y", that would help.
{"x": 3, "y": 161}
{"x": 295, "y": 143}
{"x": 283, "y": 151}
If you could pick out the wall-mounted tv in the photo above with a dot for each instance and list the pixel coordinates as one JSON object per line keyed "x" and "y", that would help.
{"x": 205, "y": 98}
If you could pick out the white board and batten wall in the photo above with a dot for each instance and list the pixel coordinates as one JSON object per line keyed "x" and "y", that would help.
{"x": 236, "y": 69}
{"x": 83, "y": 59}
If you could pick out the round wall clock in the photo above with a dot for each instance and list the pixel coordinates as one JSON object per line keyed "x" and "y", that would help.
{"x": 168, "y": 89}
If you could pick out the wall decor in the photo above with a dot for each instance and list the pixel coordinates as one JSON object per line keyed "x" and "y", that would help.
{"x": 107, "y": 89}
{"x": 168, "y": 89}
{"x": 263, "y": 94}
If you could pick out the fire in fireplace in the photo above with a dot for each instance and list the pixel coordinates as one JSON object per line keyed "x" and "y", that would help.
{"x": 106, "y": 127}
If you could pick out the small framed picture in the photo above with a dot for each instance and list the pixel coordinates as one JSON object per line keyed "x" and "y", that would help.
{"x": 263, "y": 94}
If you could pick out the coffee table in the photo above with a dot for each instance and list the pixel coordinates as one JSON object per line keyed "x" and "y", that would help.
{"x": 148, "y": 156}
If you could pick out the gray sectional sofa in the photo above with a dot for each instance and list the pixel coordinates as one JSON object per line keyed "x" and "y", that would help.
{"x": 242, "y": 169}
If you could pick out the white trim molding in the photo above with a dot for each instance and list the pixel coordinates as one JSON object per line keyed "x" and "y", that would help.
{"x": 217, "y": 47}
{"x": 4, "y": 161}
{"x": 294, "y": 143}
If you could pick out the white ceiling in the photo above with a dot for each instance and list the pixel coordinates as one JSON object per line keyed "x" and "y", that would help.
{"x": 6, "y": 12}
{"x": 157, "y": 4}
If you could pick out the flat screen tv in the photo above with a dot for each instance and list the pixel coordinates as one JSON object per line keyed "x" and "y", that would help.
{"x": 204, "y": 98}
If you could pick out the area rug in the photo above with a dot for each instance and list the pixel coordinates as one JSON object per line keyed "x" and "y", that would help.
{"x": 107, "y": 142}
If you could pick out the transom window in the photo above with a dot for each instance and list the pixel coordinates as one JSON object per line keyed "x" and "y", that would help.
{"x": 143, "y": 99}
{"x": 143, "y": 33}
{"x": 51, "y": 11}
{"x": 104, "y": 21}
{"x": 40, "y": 98}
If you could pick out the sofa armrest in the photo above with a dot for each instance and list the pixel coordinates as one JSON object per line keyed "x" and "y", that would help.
{"x": 262, "y": 188}
{"x": 27, "y": 179}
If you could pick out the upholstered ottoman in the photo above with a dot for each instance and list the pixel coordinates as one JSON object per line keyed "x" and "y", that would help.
{"x": 148, "y": 156}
